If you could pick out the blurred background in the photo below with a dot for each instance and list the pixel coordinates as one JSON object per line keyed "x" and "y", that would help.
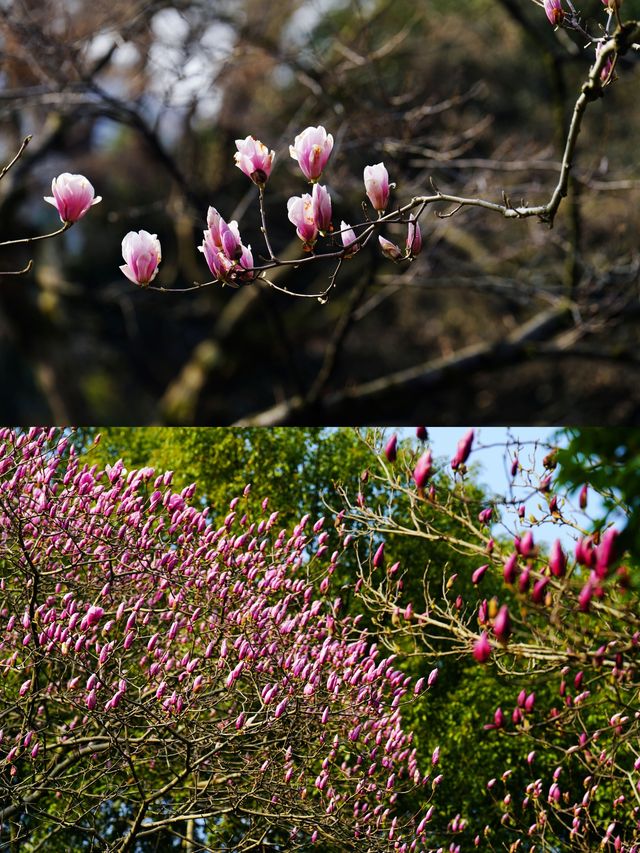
{"x": 496, "y": 320}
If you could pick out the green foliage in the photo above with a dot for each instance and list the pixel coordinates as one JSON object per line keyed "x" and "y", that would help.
{"x": 608, "y": 460}
{"x": 296, "y": 469}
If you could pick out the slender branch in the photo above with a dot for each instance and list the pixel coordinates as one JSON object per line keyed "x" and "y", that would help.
{"x": 6, "y": 168}
{"x": 65, "y": 227}
{"x": 18, "y": 272}
{"x": 264, "y": 230}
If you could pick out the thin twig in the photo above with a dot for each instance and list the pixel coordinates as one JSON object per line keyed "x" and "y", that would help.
{"x": 64, "y": 228}
{"x": 18, "y": 272}
{"x": 6, "y": 168}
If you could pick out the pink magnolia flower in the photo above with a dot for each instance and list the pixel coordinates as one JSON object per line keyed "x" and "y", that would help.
{"x": 72, "y": 197}
{"x": 414, "y": 237}
{"x": 225, "y": 236}
{"x": 300, "y": 212}
{"x": 94, "y": 615}
{"x": 554, "y": 11}
{"x": 229, "y": 260}
{"x": 525, "y": 546}
{"x": 142, "y": 254}
{"x": 230, "y": 240}
{"x": 230, "y": 270}
{"x": 349, "y": 239}
{"x": 584, "y": 494}
{"x": 376, "y": 184}
{"x": 389, "y": 249}
{"x": 214, "y": 221}
{"x": 254, "y": 159}
{"x": 321, "y": 206}
{"x": 312, "y": 149}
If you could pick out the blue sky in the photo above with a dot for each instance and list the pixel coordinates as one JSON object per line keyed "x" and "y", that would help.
{"x": 488, "y": 457}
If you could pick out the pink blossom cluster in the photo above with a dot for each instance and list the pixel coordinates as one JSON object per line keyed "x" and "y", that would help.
{"x": 125, "y": 607}
{"x": 231, "y": 262}
{"x": 228, "y": 258}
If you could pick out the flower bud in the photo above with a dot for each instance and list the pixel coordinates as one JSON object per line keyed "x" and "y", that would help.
{"x": 605, "y": 552}
{"x": 502, "y": 624}
{"x": 391, "y": 448}
{"x": 321, "y": 208}
{"x": 422, "y": 471}
{"x": 142, "y": 254}
{"x": 482, "y": 648}
{"x": 389, "y": 249}
{"x": 510, "y": 568}
{"x": 584, "y": 491}
{"x": 463, "y": 450}
{"x": 300, "y": 213}
{"x": 414, "y": 237}
{"x": 557, "y": 560}
{"x": 376, "y": 184}
{"x": 349, "y": 239}
{"x": 479, "y": 573}
{"x": 539, "y": 590}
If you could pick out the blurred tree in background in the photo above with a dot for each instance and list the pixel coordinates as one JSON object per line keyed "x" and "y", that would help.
{"x": 147, "y": 98}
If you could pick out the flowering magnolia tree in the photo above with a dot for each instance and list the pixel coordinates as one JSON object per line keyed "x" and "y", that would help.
{"x": 173, "y": 682}
{"x": 559, "y": 623}
{"x": 160, "y": 673}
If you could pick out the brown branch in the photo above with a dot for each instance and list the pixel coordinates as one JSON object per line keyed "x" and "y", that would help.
{"x": 6, "y": 168}
{"x": 422, "y": 376}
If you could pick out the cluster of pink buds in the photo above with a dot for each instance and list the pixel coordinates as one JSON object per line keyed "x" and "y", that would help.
{"x": 311, "y": 214}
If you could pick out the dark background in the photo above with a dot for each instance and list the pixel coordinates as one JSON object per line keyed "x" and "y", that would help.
{"x": 147, "y": 98}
